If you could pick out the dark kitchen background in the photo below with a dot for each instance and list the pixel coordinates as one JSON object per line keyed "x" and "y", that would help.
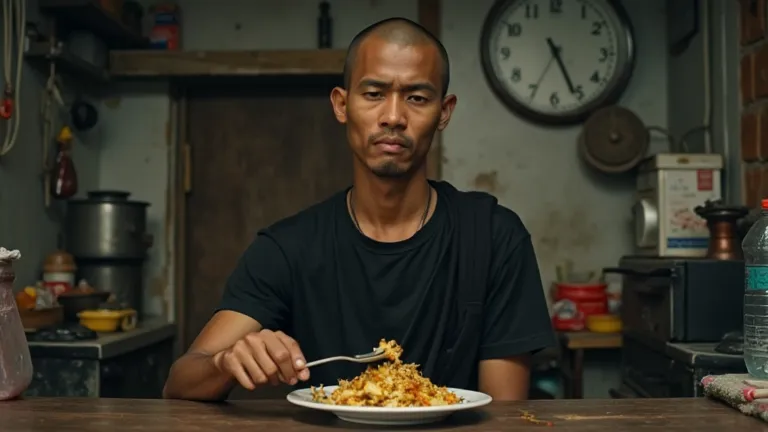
{"x": 194, "y": 142}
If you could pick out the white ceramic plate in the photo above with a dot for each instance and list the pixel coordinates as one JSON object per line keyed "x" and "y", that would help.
{"x": 391, "y": 416}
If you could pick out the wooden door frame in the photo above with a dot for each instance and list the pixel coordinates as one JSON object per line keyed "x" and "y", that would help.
{"x": 430, "y": 17}
{"x": 180, "y": 178}
{"x": 180, "y": 175}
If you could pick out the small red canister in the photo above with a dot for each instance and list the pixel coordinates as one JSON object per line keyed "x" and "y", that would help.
{"x": 574, "y": 302}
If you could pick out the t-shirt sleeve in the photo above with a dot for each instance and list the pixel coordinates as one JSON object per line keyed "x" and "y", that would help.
{"x": 259, "y": 286}
{"x": 516, "y": 316}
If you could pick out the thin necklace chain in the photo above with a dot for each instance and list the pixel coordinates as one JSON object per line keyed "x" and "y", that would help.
{"x": 423, "y": 217}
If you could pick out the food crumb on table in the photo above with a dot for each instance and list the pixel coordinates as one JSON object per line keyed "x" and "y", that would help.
{"x": 531, "y": 418}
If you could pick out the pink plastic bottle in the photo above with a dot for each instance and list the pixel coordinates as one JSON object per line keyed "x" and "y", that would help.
{"x": 15, "y": 361}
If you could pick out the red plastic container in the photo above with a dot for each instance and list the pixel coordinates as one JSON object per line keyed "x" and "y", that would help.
{"x": 574, "y": 302}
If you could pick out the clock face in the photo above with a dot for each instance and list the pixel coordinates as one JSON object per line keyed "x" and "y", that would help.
{"x": 557, "y": 61}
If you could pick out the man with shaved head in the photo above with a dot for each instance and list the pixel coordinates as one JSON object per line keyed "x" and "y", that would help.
{"x": 450, "y": 275}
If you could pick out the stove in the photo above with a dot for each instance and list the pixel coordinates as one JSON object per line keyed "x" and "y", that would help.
{"x": 682, "y": 320}
{"x": 61, "y": 333}
{"x": 672, "y": 369}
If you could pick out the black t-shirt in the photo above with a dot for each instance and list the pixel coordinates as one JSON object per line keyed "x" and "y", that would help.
{"x": 337, "y": 292}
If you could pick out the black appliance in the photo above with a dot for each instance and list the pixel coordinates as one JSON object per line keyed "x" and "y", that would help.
{"x": 681, "y": 300}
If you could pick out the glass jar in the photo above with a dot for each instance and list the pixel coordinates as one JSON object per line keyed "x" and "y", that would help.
{"x": 15, "y": 361}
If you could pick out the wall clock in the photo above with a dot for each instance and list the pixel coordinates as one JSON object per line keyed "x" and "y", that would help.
{"x": 557, "y": 61}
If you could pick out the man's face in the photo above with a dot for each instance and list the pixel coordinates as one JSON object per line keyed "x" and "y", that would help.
{"x": 393, "y": 105}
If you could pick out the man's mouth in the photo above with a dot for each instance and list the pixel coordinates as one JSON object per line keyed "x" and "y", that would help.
{"x": 390, "y": 145}
{"x": 391, "y": 141}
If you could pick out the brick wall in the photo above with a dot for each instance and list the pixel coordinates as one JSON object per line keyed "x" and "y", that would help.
{"x": 754, "y": 100}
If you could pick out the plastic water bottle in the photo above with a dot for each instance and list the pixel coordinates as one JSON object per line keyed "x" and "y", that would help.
{"x": 755, "y": 247}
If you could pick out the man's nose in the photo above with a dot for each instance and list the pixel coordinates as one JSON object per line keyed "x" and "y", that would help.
{"x": 393, "y": 116}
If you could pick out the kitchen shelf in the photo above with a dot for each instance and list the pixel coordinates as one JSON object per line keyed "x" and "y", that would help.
{"x": 180, "y": 64}
{"x": 39, "y": 54}
{"x": 89, "y": 15}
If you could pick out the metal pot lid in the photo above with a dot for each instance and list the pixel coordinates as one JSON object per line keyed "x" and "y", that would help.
{"x": 108, "y": 196}
{"x": 614, "y": 140}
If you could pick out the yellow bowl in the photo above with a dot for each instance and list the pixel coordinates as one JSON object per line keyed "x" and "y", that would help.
{"x": 106, "y": 321}
{"x": 603, "y": 323}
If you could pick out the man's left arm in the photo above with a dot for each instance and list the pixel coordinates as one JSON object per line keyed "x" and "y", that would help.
{"x": 516, "y": 319}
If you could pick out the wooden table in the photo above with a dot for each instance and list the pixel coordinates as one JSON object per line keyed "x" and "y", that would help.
{"x": 572, "y": 347}
{"x": 156, "y": 415}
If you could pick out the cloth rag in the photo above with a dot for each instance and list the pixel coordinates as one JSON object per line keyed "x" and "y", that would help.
{"x": 738, "y": 391}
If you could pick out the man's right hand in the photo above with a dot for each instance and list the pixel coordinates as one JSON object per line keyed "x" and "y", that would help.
{"x": 263, "y": 357}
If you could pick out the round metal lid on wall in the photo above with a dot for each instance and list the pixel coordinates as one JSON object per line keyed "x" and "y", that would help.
{"x": 614, "y": 140}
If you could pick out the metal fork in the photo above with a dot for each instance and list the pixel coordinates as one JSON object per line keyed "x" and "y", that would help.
{"x": 376, "y": 355}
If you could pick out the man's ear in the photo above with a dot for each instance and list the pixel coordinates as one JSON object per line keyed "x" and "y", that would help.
{"x": 449, "y": 103}
{"x": 339, "y": 103}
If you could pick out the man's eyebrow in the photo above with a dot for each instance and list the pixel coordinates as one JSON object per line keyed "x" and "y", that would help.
{"x": 424, "y": 86}
{"x": 374, "y": 83}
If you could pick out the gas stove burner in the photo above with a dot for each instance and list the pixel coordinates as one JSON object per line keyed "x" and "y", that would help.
{"x": 732, "y": 343}
{"x": 66, "y": 333}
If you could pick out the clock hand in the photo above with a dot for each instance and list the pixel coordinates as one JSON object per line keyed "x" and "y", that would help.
{"x": 541, "y": 78}
{"x": 556, "y": 54}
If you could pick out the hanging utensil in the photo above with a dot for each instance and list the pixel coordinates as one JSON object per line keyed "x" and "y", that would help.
{"x": 84, "y": 115}
{"x": 65, "y": 177}
{"x": 614, "y": 140}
